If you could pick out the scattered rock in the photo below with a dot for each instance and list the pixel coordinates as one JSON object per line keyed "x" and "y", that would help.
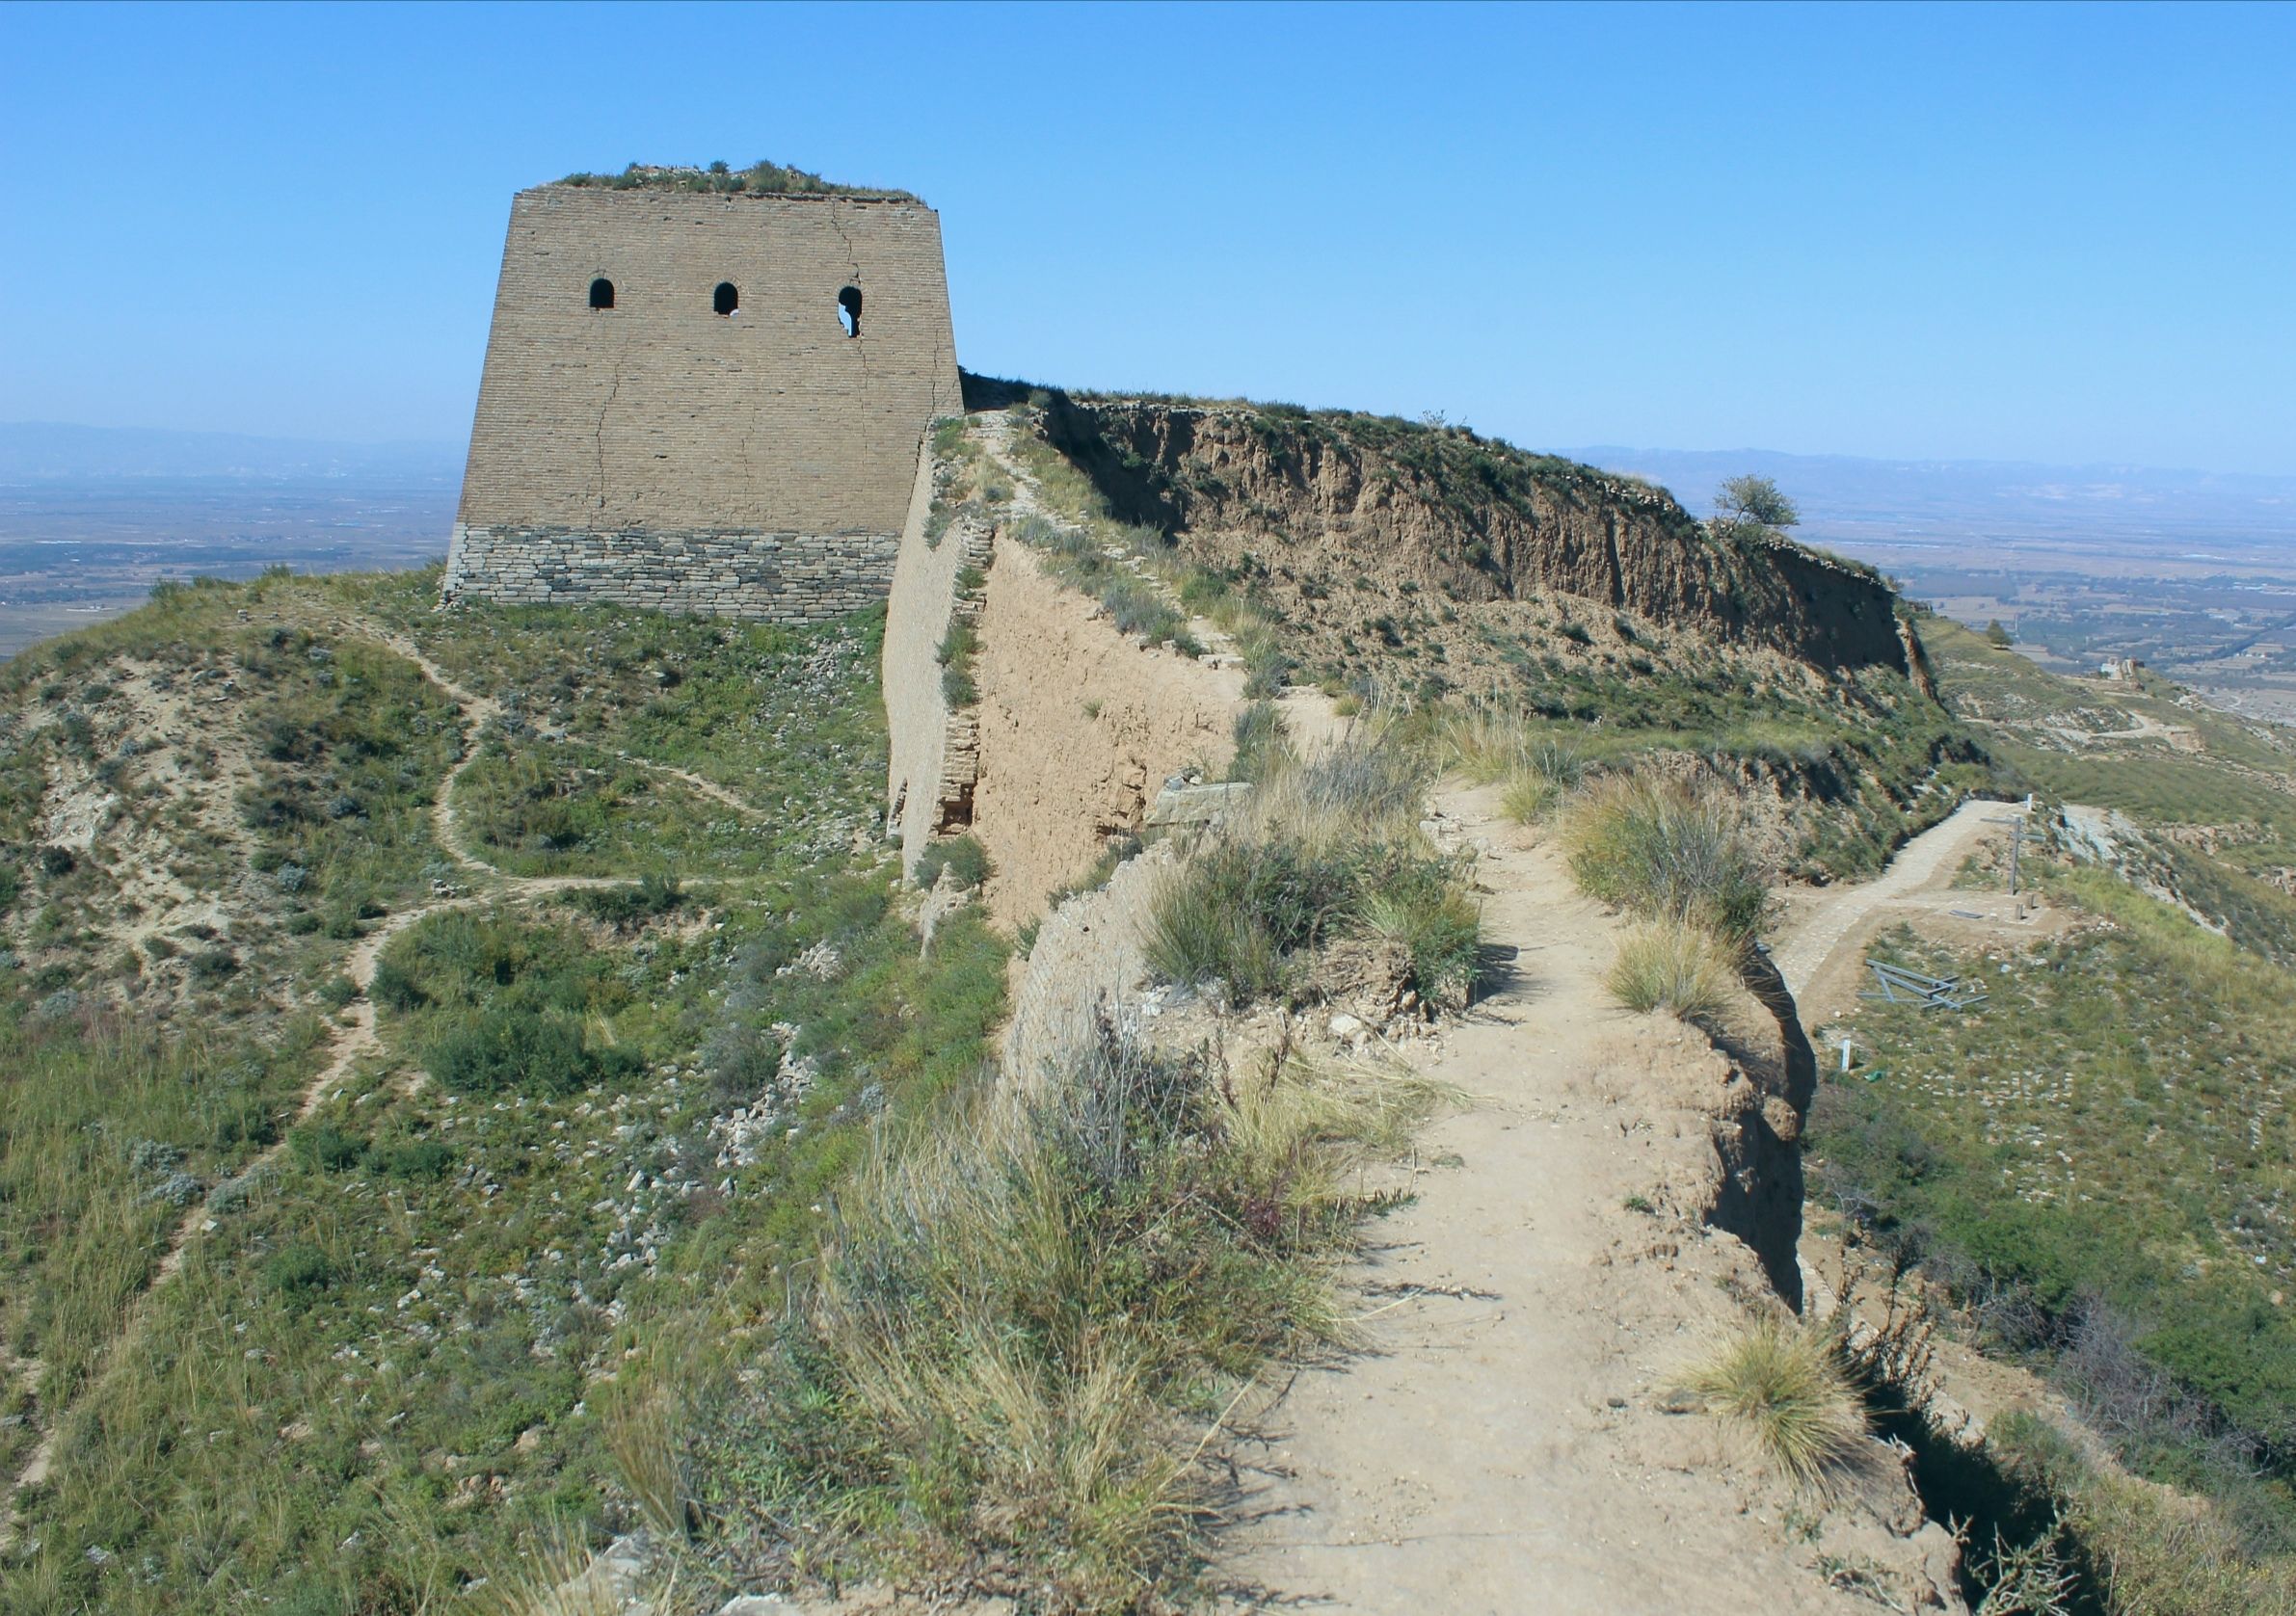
{"x": 1183, "y": 802}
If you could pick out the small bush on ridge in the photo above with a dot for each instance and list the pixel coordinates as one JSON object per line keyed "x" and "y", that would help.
{"x": 1788, "y": 1390}
{"x": 1665, "y": 965}
{"x": 1665, "y": 852}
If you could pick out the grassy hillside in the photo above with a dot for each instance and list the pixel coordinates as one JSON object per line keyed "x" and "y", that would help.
{"x": 2097, "y": 1163}
{"x": 588, "y": 1115}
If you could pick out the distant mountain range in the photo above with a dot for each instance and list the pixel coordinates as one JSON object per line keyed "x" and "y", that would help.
{"x": 1862, "y": 505}
{"x": 34, "y": 452}
{"x": 1915, "y": 503}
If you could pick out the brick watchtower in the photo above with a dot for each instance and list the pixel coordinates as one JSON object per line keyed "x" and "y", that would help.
{"x": 704, "y": 401}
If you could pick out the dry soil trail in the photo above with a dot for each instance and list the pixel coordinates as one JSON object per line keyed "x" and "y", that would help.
{"x": 1824, "y": 941}
{"x": 1499, "y": 1451}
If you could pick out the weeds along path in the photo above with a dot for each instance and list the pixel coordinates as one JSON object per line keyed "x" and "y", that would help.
{"x": 1500, "y": 1448}
{"x": 355, "y": 1036}
{"x": 1823, "y": 944}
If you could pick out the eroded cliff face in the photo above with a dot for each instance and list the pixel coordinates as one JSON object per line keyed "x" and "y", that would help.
{"x": 1328, "y": 506}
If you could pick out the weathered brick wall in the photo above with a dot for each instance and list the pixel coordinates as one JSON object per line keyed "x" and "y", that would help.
{"x": 758, "y": 464}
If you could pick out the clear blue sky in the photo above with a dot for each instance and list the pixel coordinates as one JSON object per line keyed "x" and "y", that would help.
{"x": 2060, "y": 233}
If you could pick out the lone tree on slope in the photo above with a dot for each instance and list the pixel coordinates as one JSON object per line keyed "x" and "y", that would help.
{"x": 1752, "y": 506}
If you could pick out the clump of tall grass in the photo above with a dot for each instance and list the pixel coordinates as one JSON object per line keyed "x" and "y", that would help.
{"x": 1326, "y": 847}
{"x": 556, "y": 1575}
{"x": 1665, "y": 965}
{"x": 1266, "y": 665}
{"x": 1028, "y": 1317}
{"x": 1788, "y": 1390}
{"x": 960, "y": 647}
{"x": 1667, "y": 853}
{"x": 1437, "y": 924}
{"x": 1261, "y": 742}
{"x": 1492, "y": 744}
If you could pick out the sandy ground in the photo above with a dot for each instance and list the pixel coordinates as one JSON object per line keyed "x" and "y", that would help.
{"x": 1501, "y": 1448}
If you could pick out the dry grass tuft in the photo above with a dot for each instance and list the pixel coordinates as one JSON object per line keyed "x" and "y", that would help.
{"x": 1490, "y": 744}
{"x": 1666, "y": 851}
{"x": 558, "y": 1576}
{"x": 1030, "y": 1310}
{"x": 1665, "y": 965}
{"x": 1787, "y": 1389}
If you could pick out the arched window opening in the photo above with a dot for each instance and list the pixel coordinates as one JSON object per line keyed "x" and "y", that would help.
{"x": 848, "y": 310}
{"x": 727, "y": 299}
{"x": 601, "y": 293}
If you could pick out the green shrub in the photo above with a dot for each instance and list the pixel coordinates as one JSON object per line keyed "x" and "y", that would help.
{"x": 243, "y": 1123}
{"x": 395, "y": 987}
{"x": 325, "y": 1148}
{"x": 298, "y": 1270}
{"x": 501, "y": 1052}
{"x": 1433, "y": 917}
{"x": 422, "y": 1160}
{"x": 626, "y": 906}
{"x": 1237, "y": 908}
{"x": 962, "y": 855}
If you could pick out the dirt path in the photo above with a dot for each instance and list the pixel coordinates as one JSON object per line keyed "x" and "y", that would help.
{"x": 1823, "y": 944}
{"x": 1501, "y": 1450}
{"x": 477, "y": 712}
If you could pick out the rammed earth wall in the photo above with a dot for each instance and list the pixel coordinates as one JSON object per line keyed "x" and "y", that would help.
{"x": 658, "y": 452}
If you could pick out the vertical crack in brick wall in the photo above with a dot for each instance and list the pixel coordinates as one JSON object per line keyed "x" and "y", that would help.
{"x": 600, "y": 437}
